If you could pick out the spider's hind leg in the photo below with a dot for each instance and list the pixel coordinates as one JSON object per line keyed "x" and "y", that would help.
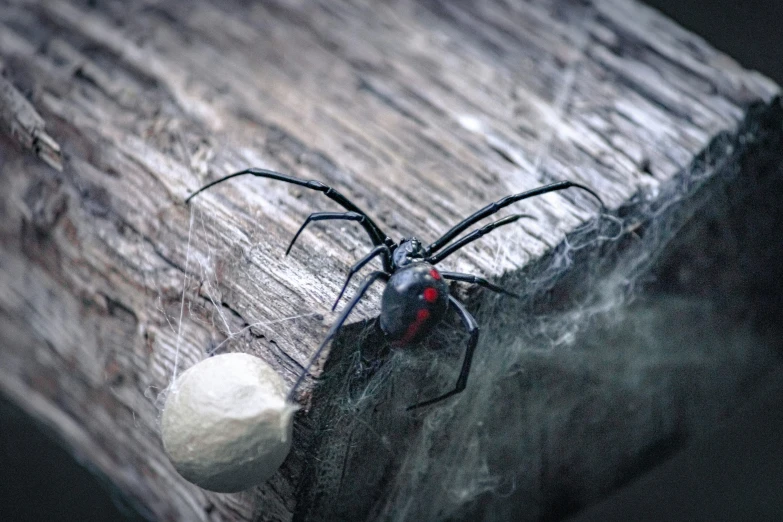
{"x": 368, "y": 281}
{"x": 472, "y": 327}
{"x": 476, "y": 280}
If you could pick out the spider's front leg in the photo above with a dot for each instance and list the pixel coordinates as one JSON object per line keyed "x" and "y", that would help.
{"x": 476, "y": 234}
{"x": 472, "y": 328}
{"x": 377, "y": 236}
{"x": 492, "y": 208}
{"x": 327, "y": 216}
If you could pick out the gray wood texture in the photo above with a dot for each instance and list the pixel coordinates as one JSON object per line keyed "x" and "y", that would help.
{"x": 419, "y": 112}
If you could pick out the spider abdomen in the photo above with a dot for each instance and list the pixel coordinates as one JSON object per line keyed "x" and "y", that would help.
{"x": 414, "y": 300}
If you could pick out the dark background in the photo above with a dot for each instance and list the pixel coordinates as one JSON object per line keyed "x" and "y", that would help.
{"x": 737, "y": 474}
{"x": 750, "y": 31}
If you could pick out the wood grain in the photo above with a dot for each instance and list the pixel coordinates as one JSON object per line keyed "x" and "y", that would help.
{"x": 420, "y": 112}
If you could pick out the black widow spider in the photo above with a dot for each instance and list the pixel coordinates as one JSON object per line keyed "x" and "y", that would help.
{"x": 416, "y": 296}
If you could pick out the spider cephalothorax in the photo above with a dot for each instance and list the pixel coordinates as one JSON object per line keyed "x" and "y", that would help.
{"x": 416, "y": 296}
{"x": 409, "y": 251}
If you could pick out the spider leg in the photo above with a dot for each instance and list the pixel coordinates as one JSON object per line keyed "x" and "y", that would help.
{"x": 368, "y": 281}
{"x": 483, "y": 231}
{"x": 380, "y": 249}
{"x": 324, "y": 216}
{"x": 376, "y": 235}
{"x": 476, "y": 280}
{"x": 472, "y": 327}
{"x": 501, "y": 203}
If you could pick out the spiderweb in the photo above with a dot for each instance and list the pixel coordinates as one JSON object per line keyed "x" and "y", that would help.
{"x": 617, "y": 357}
{"x": 613, "y": 360}
{"x": 574, "y": 389}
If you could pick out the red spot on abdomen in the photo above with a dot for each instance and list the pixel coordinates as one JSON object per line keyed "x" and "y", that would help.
{"x": 435, "y": 274}
{"x": 430, "y": 295}
{"x": 421, "y": 316}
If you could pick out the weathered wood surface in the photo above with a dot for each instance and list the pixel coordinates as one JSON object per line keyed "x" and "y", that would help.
{"x": 420, "y": 112}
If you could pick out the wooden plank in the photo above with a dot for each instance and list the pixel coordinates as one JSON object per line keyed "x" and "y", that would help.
{"x": 419, "y": 112}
